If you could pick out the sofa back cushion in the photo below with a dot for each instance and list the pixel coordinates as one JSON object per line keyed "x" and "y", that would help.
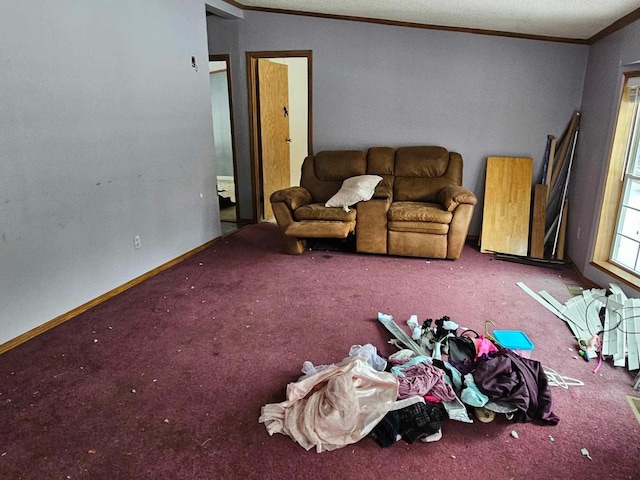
{"x": 336, "y": 165}
{"x": 322, "y": 174}
{"x": 421, "y": 172}
{"x": 380, "y": 160}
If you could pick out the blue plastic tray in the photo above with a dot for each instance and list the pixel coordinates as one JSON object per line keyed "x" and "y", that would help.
{"x": 513, "y": 339}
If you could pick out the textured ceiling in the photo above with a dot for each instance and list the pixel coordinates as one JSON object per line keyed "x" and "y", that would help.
{"x": 574, "y": 19}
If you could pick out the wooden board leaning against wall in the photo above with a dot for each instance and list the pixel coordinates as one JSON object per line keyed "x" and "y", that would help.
{"x": 507, "y": 201}
{"x": 509, "y": 211}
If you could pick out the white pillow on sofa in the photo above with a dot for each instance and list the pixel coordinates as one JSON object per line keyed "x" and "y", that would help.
{"x": 353, "y": 190}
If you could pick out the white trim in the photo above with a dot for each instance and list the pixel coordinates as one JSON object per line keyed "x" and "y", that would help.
{"x": 223, "y": 9}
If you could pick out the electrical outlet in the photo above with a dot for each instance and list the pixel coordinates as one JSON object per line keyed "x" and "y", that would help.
{"x": 137, "y": 242}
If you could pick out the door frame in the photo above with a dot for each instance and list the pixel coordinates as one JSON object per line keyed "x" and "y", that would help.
{"x": 225, "y": 57}
{"x": 254, "y": 120}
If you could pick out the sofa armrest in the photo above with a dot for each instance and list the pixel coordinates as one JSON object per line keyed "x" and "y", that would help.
{"x": 451, "y": 197}
{"x": 284, "y": 202}
{"x": 294, "y": 197}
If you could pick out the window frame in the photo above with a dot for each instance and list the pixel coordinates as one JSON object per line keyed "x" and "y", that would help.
{"x": 613, "y": 191}
{"x": 630, "y": 177}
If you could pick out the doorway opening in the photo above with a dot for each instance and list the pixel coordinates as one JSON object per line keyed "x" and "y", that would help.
{"x": 224, "y": 141}
{"x": 280, "y": 116}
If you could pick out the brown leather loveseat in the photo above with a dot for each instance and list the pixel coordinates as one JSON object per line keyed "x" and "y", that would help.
{"x": 419, "y": 207}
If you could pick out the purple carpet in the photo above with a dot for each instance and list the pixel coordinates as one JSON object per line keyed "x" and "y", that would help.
{"x": 167, "y": 379}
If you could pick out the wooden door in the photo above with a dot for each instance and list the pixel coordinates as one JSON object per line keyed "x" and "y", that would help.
{"x": 273, "y": 108}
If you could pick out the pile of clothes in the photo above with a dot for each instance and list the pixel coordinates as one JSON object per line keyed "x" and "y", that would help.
{"x": 410, "y": 394}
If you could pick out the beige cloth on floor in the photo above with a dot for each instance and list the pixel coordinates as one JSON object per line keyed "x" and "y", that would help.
{"x": 335, "y": 407}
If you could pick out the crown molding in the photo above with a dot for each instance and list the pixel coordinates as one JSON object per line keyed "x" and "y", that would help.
{"x": 614, "y": 27}
{"x": 424, "y": 26}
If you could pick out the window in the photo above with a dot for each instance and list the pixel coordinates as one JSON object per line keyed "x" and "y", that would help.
{"x": 617, "y": 248}
{"x": 625, "y": 250}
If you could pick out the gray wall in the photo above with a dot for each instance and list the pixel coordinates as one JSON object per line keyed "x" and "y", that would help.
{"x": 608, "y": 59}
{"x": 387, "y": 85}
{"x": 105, "y": 133}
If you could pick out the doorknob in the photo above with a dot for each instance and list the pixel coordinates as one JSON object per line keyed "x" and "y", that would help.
{"x": 289, "y": 140}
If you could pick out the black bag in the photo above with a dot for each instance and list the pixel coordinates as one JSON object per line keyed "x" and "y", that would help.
{"x": 462, "y": 350}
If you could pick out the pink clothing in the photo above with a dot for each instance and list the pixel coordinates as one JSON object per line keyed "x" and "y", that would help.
{"x": 335, "y": 407}
{"x": 484, "y": 346}
{"x": 423, "y": 379}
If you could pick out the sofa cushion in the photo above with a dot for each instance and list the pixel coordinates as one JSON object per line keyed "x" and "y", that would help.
{"x": 336, "y": 165}
{"x": 320, "y": 229}
{"x": 380, "y": 160}
{"x": 418, "y": 212}
{"x": 424, "y": 162}
{"x": 414, "y": 189}
{"x": 422, "y": 172}
{"x": 354, "y": 189}
{"x": 320, "y": 190}
{"x": 384, "y": 189}
{"x": 317, "y": 211}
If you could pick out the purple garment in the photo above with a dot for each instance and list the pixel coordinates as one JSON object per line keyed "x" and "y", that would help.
{"x": 423, "y": 379}
{"x": 521, "y": 382}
